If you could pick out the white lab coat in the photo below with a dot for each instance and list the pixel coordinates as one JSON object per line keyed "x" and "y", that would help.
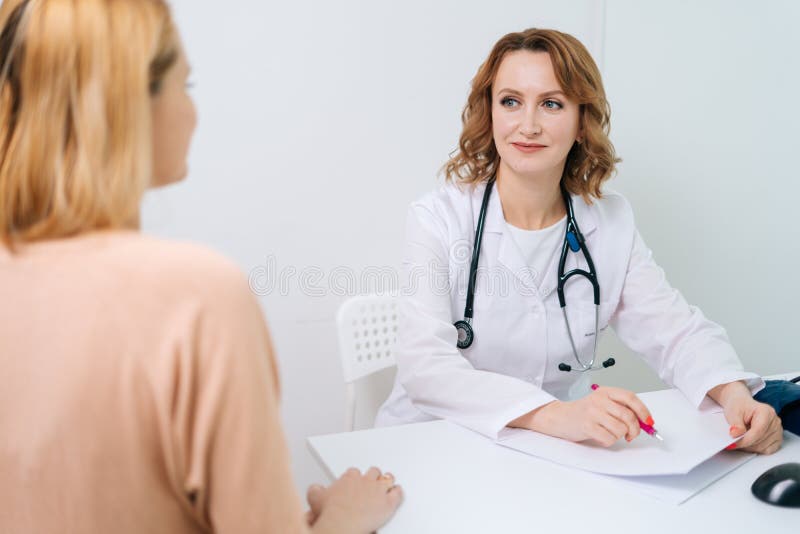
{"x": 520, "y": 336}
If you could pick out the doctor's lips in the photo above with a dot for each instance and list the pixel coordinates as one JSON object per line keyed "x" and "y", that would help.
{"x": 528, "y": 147}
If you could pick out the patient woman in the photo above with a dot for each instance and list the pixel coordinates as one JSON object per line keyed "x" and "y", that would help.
{"x": 139, "y": 390}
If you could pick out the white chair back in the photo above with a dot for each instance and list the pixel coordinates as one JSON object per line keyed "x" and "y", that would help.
{"x": 367, "y": 329}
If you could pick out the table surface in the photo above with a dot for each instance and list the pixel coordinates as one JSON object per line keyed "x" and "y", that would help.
{"x": 455, "y": 480}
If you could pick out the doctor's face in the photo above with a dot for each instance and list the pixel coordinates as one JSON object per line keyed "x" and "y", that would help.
{"x": 534, "y": 124}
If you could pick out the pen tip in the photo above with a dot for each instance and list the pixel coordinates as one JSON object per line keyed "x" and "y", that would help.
{"x": 658, "y": 436}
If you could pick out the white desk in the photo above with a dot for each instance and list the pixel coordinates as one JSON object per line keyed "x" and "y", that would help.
{"x": 456, "y": 481}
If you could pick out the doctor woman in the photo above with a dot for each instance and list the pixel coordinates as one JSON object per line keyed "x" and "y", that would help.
{"x": 536, "y": 122}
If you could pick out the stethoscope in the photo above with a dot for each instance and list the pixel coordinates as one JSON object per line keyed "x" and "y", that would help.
{"x": 573, "y": 240}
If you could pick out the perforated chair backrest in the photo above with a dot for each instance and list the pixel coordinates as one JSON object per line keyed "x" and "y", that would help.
{"x": 367, "y": 328}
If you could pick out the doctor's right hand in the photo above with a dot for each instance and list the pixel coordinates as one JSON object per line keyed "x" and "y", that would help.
{"x": 604, "y": 416}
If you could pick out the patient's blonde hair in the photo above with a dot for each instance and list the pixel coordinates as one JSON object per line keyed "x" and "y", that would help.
{"x": 75, "y": 126}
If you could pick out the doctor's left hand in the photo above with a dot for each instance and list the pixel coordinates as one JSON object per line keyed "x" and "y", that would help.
{"x": 757, "y": 423}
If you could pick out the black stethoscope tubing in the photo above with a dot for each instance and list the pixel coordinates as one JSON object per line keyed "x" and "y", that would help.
{"x": 465, "y": 325}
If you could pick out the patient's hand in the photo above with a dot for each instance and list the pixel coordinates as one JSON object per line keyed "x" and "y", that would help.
{"x": 354, "y": 502}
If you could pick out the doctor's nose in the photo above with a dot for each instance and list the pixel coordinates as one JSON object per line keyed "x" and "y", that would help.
{"x": 530, "y": 126}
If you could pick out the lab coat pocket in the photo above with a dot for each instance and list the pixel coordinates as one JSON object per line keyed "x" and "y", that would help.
{"x": 582, "y": 318}
{"x": 592, "y": 327}
{"x": 579, "y": 322}
{"x": 606, "y": 310}
{"x": 588, "y": 325}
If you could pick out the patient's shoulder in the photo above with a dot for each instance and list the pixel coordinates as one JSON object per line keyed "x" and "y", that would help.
{"x": 171, "y": 269}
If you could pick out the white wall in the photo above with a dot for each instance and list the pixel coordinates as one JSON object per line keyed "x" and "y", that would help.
{"x": 320, "y": 121}
{"x": 704, "y": 114}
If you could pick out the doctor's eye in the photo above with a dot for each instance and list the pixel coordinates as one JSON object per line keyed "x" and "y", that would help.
{"x": 552, "y": 105}
{"x": 509, "y": 102}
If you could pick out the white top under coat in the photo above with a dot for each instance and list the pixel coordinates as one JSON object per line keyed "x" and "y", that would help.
{"x": 539, "y": 246}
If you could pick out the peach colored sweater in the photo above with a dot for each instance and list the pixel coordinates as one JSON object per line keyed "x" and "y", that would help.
{"x": 138, "y": 393}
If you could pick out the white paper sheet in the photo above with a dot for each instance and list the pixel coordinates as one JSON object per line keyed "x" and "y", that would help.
{"x": 676, "y": 489}
{"x": 691, "y": 437}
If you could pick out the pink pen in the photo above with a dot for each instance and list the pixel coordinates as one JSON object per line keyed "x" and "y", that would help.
{"x": 648, "y": 429}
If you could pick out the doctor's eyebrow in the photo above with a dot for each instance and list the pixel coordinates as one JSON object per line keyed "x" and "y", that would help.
{"x": 546, "y": 94}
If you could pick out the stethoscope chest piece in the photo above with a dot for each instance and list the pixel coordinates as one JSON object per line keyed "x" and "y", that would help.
{"x": 465, "y": 334}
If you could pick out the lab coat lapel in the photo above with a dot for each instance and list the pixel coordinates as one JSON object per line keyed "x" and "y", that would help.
{"x": 585, "y": 215}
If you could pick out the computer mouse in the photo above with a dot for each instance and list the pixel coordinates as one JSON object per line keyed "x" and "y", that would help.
{"x": 779, "y": 485}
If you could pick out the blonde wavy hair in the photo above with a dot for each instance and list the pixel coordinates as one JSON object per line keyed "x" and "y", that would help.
{"x": 589, "y": 163}
{"x": 75, "y": 119}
